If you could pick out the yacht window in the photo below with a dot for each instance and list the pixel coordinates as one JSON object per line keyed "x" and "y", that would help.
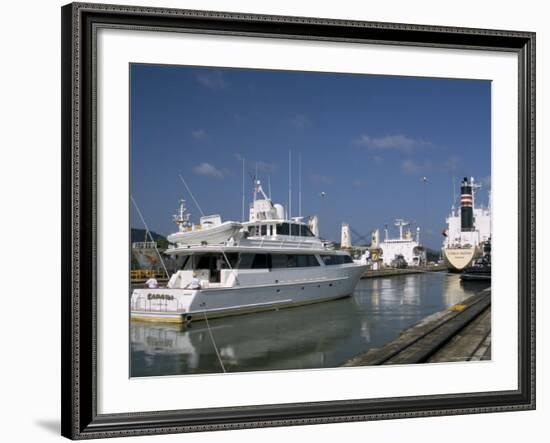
{"x": 302, "y": 261}
{"x": 312, "y": 261}
{"x": 306, "y": 261}
{"x": 187, "y": 263}
{"x": 270, "y": 229}
{"x": 301, "y": 230}
{"x": 279, "y": 261}
{"x": 295, "y": 229}
{"x": 264, "y": 229}
{"x": 257, "y": 231}
{"x": 261, "y": 261}
{"x": 330, "y": 260}
{"x": 306, "y": 232}
{"x": 245, "y": 261}
{"x": 293, "y": 261}
{"x": 251, "y": 230}
{"x": 203, "y": 262}
{"x": 233, "y": 258}
{"x": 283, "y": 229}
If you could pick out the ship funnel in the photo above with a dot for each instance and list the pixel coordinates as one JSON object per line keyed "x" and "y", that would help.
{"x": 466, "y": 206}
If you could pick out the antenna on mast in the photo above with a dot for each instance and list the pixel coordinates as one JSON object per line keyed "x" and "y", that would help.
{"x": 289, "y": 184}
{"x": 242, "y": 216}
{"x": 269, "y": 185}
{"x": 300, "y": 190}
{"x": 454, "y": 189}
{"x": 300, "y": 184}
{"x": 453, "y": 180}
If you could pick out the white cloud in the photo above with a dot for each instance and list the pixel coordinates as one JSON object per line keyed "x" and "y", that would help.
{"x": 411, "y": 167}
{"x": 199, "y": 134}
{"x": 300, "y": 121}
{"x": 212, "y": 80}
{"x": 391, "y": 142}
{"x": 320, "y": 179}
{"x": 267, "y": 167}
{"x": 452, "y": 164}
{"x": 208, "y": 170}
{"x": 262, "y": 166}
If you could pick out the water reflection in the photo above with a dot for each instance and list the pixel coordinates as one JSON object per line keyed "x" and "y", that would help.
{"x": 315, "y": 336}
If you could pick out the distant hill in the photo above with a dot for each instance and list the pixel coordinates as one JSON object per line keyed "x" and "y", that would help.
{"x": 138, "y": 235}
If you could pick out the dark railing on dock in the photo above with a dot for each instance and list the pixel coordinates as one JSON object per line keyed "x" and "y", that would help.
{"x": 460, "y": 333}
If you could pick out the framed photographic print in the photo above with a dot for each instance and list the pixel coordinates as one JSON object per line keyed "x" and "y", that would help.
{"x": 273, "y": 221}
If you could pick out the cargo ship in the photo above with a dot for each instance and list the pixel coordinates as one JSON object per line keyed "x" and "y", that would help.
{"x": 468, "y": 229}
{"x": 403, "y": 251}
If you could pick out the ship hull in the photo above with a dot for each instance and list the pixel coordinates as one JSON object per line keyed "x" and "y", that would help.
{"x": 475, "y": 276}
{"x": 457, "y": 259}
{"x": 181, "y": 305}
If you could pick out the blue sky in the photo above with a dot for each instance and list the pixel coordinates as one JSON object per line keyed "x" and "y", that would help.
{"x": 366, "y": 141}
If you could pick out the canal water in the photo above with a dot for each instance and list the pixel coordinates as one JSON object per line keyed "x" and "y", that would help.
{"x": 322, "y": 335}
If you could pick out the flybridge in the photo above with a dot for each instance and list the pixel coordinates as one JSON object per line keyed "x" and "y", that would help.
{"x": 267, "y": 224}
{"x": 263, "y": 208}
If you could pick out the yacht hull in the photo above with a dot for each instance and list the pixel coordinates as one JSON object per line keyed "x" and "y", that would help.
{"x": 183, "y": 305}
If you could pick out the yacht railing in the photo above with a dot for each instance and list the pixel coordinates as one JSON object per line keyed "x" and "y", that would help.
{"x": 282, "y": 244}
{"x": 261, "y": 243}
{"x": 144, "y": 245}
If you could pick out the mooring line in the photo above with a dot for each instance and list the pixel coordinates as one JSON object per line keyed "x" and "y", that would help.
{"x": 212, "y": 339}
{"x": 191, "y": 194}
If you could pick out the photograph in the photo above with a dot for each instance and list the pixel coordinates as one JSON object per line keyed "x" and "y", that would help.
{"x": 274, "y": 219}
{"x": 295, "y": 220}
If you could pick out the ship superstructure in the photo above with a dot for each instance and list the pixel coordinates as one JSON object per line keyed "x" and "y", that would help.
{"x": 404, "y": 250}
{"x": 468, "y": 228}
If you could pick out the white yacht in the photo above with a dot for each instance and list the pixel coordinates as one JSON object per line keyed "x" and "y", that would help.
{"x": 271, "y": 262}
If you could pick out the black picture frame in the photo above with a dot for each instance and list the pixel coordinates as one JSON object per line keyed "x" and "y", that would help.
{"x": 79, "y": 211}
